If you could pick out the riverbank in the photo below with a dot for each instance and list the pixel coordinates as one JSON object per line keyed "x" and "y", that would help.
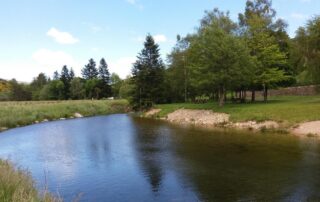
{"x": 283, "y": 113}
{"x": 17, "y": 185}
{"x": 16, "y": 114}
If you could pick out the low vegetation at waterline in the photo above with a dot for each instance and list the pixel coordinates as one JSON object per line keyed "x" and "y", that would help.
{"x": 289, "y": 109}
{"x": 13, "y": 114}
{"x": 17, "y": 185}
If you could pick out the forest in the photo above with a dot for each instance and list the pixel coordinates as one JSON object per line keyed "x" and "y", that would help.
{"x": 221, "y": 60}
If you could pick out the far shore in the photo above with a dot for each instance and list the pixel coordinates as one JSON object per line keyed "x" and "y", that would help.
{"x": 209, "y": 119}
{"x": 17, "y": 114}
{"x": 297, "y": 115}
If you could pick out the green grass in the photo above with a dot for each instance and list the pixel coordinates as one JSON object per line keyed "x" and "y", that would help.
{"x": 289, "y": 109}
{"x": 13, "y": 114}
{"x": 16, "y": 185}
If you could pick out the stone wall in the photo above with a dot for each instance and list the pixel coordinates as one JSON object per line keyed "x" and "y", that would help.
{"x": 299, "y": 91}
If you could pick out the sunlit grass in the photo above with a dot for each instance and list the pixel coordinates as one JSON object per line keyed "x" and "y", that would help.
{"x": 16, "y": 185}
{"x": 291, "y": 109}
{"x": 13, "y": 114}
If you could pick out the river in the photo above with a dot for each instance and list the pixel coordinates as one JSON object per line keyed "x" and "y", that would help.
{"x": 124, "y": 158}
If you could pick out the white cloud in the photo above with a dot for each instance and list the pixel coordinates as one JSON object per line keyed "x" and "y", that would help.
{"x": 160, "y": 38}
{"x": 42, "y": 60}
{"x": 135, "y": 3}
{"x": 131, "y": 2}
{"x": 299, "y": 16}
{"x": 122, "y": 66}
{"x": 62, "y": 37}
{"x": 49, "y": 58}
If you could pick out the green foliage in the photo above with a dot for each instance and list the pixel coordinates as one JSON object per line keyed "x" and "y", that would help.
{"x": 178, "y": 73}
{"x": 116, "y": 84}
{"x": 262, "y": 36}
{"x": 306, "y": 50}
{"x": 77, "y": 90}
{"x": 104, "y": 77}
{"x": 148, "y": 76}
{"x": 66, "y": 76}
{"x": 217, "y": 58}
{"x": 53, "y": 91}
{"x": 126, "y": 89}
{"x": 90, "y": 71}
{"x": 19, "y": 91}
{"x": 92, "y": 88}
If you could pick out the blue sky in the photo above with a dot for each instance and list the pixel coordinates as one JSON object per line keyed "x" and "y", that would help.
{"x": 42, "y": 35}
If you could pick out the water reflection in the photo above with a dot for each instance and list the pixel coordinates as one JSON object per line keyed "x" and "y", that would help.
{"x": 120, "y": 158}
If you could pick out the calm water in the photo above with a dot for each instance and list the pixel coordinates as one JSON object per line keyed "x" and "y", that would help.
{"x": 120, "y": 158}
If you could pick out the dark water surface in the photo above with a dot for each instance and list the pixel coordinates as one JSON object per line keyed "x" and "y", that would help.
{"x": 121, "y": 158}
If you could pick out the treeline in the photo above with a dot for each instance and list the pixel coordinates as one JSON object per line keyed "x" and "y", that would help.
{"x": 95, "y": 83}
{"x": 222, "y": 60}
{"x": 226, "y": 59}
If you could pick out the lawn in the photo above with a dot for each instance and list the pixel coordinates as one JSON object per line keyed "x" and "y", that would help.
{"x": 290, "y": 109}
{"x": 13, "y": 114}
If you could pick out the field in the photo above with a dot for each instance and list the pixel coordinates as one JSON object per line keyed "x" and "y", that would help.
{"x": 13, "y": 114}
{"x": 17, "y": 185}
{"x": 289, "y": 109}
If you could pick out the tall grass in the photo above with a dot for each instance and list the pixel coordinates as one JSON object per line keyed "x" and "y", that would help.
{"x": 17, "y": 185}
{"x": 13, "y": 114}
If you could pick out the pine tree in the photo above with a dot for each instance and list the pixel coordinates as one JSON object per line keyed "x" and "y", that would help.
{"x": 71, "y": 74}
{"x": 148, "y": 75}
{"x": 56, "y": 75}
{"x": 66, "y": 79}
{"x": 104, "y": 77}
{"x": 90, "y": 71}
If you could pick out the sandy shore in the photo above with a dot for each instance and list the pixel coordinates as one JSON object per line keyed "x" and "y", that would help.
{"x": 208, "y": 118}
{"x": 308, "y": 128}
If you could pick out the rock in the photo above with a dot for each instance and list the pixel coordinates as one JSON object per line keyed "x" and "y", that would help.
{"x": 198, "y": 117}
{"x": 152, "y": 112}
{"x": 45, "y": 120}
{"x": 36, "y": 122}
{"x": 77, "y": 115}
{"x": 3, "y": 128}
{"x": 62, "y": 118}
{"x": 307, "y": 128}
{"x": 254, "y": 125}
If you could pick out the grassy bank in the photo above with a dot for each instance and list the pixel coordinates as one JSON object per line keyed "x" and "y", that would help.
{"x": 290, "y": 109}
{"x": 17, "y": 185}
{"x": 13, "y": 114}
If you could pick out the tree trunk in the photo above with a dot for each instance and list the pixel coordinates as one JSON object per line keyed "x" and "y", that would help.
{"x": 265, "y": 93}
{"x": 253, "y": 96}
{"x": 221, "y": 96}
{"x": 244, "y": 98}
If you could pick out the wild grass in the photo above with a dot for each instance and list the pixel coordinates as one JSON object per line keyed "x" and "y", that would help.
{"x": 13, "y": 114}
{"x": 290, "y": 109}
{"x": 16, "y": 185}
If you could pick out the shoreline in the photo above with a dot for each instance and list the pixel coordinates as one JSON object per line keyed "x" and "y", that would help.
{"x": 3, "y": 129}
{"x": 18, "y": 114}
{"x": 210, "y": 119}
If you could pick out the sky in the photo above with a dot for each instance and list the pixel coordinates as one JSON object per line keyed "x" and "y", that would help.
{"x": 43, "y": 35}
